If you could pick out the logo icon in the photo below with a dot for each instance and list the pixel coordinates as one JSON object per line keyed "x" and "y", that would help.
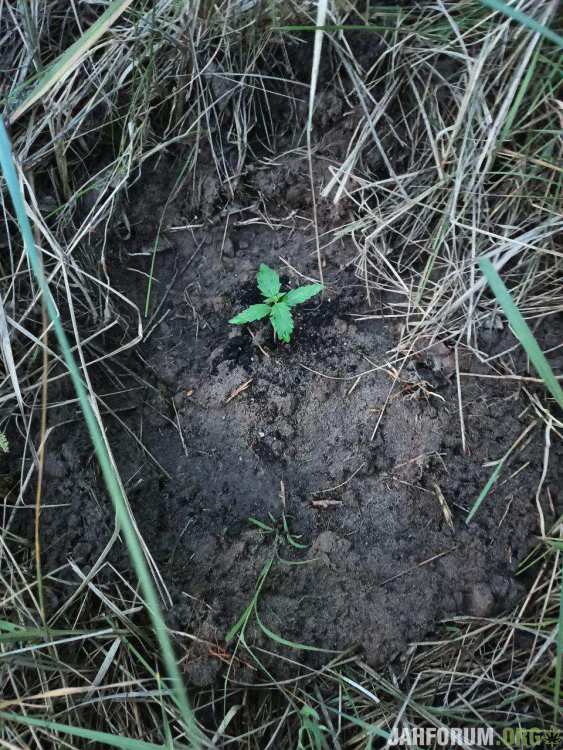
{"x": 552, "y": 738}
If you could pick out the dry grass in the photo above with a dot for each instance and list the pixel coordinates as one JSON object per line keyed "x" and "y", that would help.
{"x": 469, "y": 101}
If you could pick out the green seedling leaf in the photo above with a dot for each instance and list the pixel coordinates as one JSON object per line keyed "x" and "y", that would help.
{"x": 310, "y": 732}
{"x": 282, "y": 321}
{"x": 485, "y": 491}
{"x": 496, "y": 473}
{"x": 302, "y": 294}
{"x": 252, "y": 313}
{"x": 297, "y": 545}
{"x": 240, "y": 624}
{"x": 277, "y": 304}
{"x": 268, "y": 281}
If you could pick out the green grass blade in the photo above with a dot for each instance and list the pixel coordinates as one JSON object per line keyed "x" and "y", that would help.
{"x": 284, "y": 642}
{"x": 522, "y": 330}
{"x": 23, "y": 635}
{"x": 110, "y": 740}
{"x": 241, "y": 623}
{"x": 527, "y": 339}
{"x": 559, "y": 660}
{"x": 108, "y": 471}
{"x": 62, "y": 66}
{"x": 519, "y": 98}
{"x": 261, "y": 525}
{"x": 485, "y": 491}
{"x": 524, "y": 20}
{"x": 497, "y": 470}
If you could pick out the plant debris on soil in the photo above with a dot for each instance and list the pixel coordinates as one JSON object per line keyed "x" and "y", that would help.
{"x": 213, "y": 425}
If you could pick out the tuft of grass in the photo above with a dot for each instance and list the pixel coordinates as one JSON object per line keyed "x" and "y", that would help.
{"x": 101, "y": 738}
{"x": 528, "y": 340}
{"x": 525, "y": 20}
{"x": 67, "y": 62}
{"x": 111, "y": 478}
{"x": 522, "y": 330}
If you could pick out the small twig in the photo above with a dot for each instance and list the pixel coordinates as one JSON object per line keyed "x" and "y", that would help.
{"x": 444, "y": 505}
{"x": 418, "y": 565}
{"x": 459, "y": 400}
{"x": 547, "y": 447}
{"x": 326, "y": 504}
{"x": 282, "y": 495}
{"x": 238, "y": 390}
{"x": 342, "y": 484}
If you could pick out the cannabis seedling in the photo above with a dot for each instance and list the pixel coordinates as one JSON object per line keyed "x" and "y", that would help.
{"x": 277, "y": 304}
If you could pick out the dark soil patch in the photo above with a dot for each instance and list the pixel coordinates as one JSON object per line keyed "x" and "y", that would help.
{"x": 381, "y": 563}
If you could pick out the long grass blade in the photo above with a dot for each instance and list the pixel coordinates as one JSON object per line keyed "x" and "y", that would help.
{"x": 527, "y": 339}
{"x": 522, "y": 330}
{"x": 110, "y": 740}
{"x": 111, "y": 480}
{"x": 559, "y": 659}
{"x": 496, "y": 473}
{"x": 524, "y": 20}
{"x": 322, "y": 6}
{"x": 485, "y": 491}
{"x": 66, "y": 62}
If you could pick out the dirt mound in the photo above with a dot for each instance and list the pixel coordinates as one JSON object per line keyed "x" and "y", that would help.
{"x": 323, "y": 482}
{"x": 235, "y": 427}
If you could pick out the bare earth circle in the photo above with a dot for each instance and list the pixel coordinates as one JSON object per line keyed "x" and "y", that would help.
{"x": 234, "y": 428}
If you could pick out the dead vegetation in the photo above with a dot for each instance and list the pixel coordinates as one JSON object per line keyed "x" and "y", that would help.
{"x": 452, "y": 154}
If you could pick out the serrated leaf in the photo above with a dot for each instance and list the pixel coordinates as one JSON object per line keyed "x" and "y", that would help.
{"x": 282, "y": 321}
{"x": 252, "y": 313}
{"x": 268, "y": 281}
{"x": 302, "y": 294}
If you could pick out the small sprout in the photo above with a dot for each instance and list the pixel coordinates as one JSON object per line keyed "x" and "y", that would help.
{"x": 4, "y": 444}
{"x": 277, "y": 304}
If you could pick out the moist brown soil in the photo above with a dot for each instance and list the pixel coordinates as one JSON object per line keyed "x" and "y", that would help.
{"x": 213, "y": 425}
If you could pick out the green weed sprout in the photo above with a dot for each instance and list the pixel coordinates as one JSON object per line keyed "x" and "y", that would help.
{"x": 277, "y": 304}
